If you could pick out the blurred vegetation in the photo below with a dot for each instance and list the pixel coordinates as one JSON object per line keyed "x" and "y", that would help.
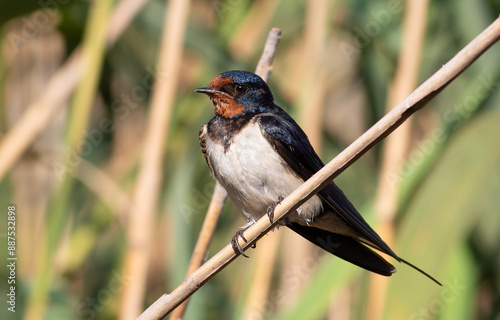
{"x": 448, "y": 218}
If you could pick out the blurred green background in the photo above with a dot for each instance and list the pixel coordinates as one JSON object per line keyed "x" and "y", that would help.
{"x": 332, "y": 72}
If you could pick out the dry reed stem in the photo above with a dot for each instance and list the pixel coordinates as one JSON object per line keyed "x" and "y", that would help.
{"x": 265, "y": 65}
{"x": 147, "y": 188}
{"x": 39, "y": 113}
{"x": 264, "y": 68}
{"x": 415, "y": 101}
{"x": 201, "y": 248}
{"x": 313, "y": 75}
{"x": 397, "y": 145}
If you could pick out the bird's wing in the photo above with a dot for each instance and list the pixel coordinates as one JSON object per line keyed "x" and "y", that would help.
{"x": 288, "y": 139}
{"x": 292, "y": 144}
{"x": 202, "y": 138}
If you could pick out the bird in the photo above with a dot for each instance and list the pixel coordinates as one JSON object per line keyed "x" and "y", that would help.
{"x": 260, "y": 155}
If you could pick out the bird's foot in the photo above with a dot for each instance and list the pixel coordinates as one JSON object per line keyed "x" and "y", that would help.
{"x": 271, "y": 208}
{"x": 236, "y": 245}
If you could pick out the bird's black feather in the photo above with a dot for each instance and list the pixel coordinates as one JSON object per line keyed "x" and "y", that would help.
{"x": 345, "y": 248}
{"x": 286, "y": 137}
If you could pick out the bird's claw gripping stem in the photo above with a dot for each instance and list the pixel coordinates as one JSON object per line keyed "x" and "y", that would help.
{"x": 236, "y": 245}
{"x": 271, "y": 208}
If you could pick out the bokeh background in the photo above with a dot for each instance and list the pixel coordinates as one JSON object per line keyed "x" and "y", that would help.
{"x": 110, "y": 187}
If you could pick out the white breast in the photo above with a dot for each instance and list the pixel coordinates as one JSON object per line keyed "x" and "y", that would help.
{"x": 254, "y": 175}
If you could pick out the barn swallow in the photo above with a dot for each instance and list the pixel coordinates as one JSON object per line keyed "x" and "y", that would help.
{"x": 259, "y": 154}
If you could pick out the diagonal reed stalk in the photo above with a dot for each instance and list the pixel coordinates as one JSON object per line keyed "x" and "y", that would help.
{"x": 414, "y": 102}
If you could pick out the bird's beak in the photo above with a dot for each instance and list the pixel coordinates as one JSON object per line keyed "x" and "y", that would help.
{"x": 207, "y": 90}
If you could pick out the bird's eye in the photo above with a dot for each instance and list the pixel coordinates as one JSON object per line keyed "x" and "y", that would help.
{"x": 241, "y": 89}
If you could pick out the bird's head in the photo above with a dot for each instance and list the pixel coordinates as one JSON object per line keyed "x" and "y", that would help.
{"x": 236, "y": 93}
